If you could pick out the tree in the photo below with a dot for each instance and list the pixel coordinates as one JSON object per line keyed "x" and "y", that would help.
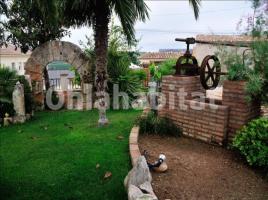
{"x": 3, "y": 12}
{"x": 33, "y": 22}
{"x": 97, "y": 13}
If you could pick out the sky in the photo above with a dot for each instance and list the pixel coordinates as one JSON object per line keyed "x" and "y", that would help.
{"x": 173, "y": 19}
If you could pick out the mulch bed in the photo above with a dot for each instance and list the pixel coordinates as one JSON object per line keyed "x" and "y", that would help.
{"x": 201, "y": 171}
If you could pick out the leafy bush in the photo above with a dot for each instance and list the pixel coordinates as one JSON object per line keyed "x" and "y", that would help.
{"x": 254, "y": 70}
{"x": 140, "y": 74}
{"x": 7, "y": 82}
{"x": 8, "y": 79}
{"x": 152, "y": 124}
{"x": 252, "y": 142}
{"x": 165, "y": 68}
{"x": 6, "y": 107}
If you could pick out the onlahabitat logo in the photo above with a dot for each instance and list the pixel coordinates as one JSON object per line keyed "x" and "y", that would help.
{"x": 87, "y": 99}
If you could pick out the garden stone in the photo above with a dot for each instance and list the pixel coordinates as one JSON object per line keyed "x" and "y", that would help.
{"x": 147, "y": 188}
{"x": 139, "y": 174}
{"x": 134, "y": 193}
{"x": 19, "y": 103}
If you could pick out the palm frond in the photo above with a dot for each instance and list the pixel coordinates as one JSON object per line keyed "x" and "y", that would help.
{"x": 195, "y": 4}
{"x": 129, "y": 12}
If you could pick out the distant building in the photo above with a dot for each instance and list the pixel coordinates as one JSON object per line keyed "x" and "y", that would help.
{"x": 157, "y": 57}
{"x": 13, "y": 59}
{"x": 174, "y": 50}
{"x": 168, "y": 50}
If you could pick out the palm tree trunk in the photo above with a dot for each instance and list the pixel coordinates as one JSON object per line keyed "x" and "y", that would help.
{"x": 101, "y": 48}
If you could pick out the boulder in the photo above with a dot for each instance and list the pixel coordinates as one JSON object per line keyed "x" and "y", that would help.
{"x": 135, "y": 193}
{"x": 138, "y": 182}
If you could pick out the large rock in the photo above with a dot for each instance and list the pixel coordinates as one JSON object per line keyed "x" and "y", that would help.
{"x": 138, "y": 182}
{"x": 139, "y": 174}
{"x": 134, "y": 193}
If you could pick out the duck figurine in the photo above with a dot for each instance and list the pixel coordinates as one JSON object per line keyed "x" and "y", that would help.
{"x": 160, "y": 165}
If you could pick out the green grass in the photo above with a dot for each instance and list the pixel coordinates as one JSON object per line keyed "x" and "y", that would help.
{"x": 60, "y": 162}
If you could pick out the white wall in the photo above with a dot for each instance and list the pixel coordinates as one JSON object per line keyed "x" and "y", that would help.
{"x": 15, "y": 62}
{"x": 200, "y": 51}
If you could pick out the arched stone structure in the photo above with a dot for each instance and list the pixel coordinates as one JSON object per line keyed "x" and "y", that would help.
{"x": 56, "y": 51}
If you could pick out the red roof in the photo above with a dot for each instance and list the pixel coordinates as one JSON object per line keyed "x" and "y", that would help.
{"x": 11, "y": 50}
{"x": 160, "y": 55}
{"x": 225, "y": 38}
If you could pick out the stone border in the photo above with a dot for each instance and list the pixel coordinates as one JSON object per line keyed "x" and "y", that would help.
{"x": 139, "y": 179}
{"x": 134, "y": 149}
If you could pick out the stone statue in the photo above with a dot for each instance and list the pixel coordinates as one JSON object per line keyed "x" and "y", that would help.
{"x": 19, "y": 103}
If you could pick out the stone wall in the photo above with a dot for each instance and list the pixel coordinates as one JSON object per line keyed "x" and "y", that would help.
{"x": 241, "y": 112}
{"x": 55, "y": 51}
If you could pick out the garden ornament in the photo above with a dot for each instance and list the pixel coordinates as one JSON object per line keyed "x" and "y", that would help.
{"x": 158, "y": 166}
{"x": 7, "y": 120}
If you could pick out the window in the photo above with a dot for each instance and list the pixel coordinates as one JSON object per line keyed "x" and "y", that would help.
{"x": 13, "y": 65}
{"x": 20, "y": 65}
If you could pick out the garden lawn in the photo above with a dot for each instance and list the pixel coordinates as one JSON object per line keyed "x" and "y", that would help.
{"x": 54, "y": 156}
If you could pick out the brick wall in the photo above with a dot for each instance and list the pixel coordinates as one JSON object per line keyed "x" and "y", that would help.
{"x": 208, "y": 124}
{"x": 241, "y": 112}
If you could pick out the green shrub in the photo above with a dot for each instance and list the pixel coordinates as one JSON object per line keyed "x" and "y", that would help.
{"x": 152, "y": 124}
{"x": 167, "y": 67}
{"x": 6, "y": 107}
{"x": 8, "y": 79}
{"x": 252, "y": 142}
{"x": 140, "y": 74}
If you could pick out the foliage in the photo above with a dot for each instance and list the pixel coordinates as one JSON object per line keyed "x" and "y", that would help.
{"x": 139, "y": 73}
{"x": 7, "y": 82}
{"x": 252, "y": 142}
{"x": 119, "y": 60}
{"x": 77, "y": 77}
{"x": 152, "y": 124}
{"x": 8, "y": 79}
{"x": 31, "y": 23}
{"x": 237, "y": 70}
{"x": 65, "y": 147}
{"x": 154, "y": 72}
{"x": 254, "y": 69}
{"x": 255, "y": 24}
{"x": 165, "y": 68}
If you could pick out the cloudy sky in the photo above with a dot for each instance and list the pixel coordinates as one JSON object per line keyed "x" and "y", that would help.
{"x": 171, "y": 19}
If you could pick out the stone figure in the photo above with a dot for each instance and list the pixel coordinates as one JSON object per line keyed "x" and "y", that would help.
{"x": 19, "y": 103}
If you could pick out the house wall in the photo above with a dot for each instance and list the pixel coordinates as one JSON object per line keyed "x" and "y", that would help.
{"x": 200, "y": 51}
{"x": 15, "y": 62}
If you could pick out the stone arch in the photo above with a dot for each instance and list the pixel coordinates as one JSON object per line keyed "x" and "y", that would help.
{"x": 56, "y": 51}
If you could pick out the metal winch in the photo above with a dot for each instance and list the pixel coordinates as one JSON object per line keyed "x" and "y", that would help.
{"x": 210, "y": 69}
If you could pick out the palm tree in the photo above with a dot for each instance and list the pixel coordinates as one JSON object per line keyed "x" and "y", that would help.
{"x": 97, "y": 13}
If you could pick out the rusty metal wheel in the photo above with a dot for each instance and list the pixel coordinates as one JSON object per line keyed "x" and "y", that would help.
{"x": 210, "y": 72}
